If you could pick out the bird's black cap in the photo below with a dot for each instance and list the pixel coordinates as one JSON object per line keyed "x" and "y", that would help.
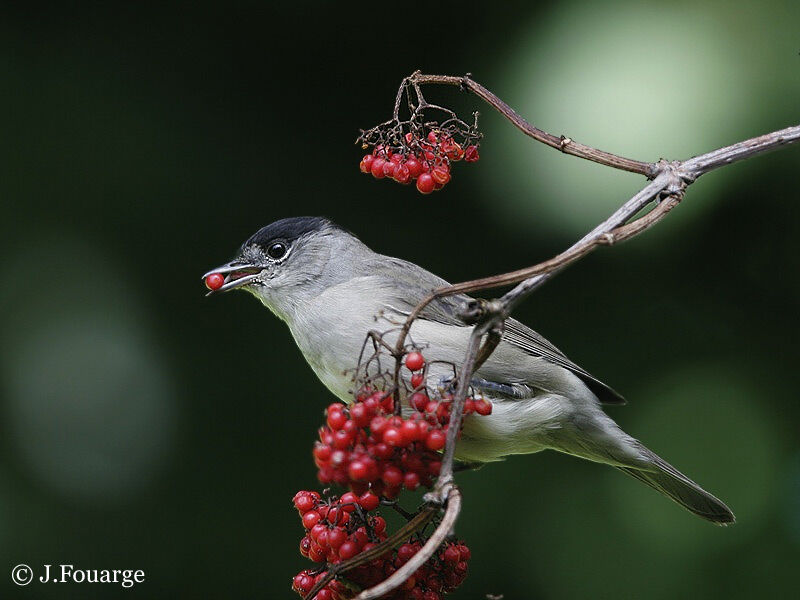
{"x": 288, "y": 230}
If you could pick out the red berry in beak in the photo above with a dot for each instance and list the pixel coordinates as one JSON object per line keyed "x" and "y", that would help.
{"x": 215, "y": 281}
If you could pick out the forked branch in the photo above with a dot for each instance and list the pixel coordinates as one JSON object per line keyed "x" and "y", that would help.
{"x": 666, "y": 188}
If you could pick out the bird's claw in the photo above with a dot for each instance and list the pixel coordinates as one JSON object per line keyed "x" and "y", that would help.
{"x": 439, "y": 494}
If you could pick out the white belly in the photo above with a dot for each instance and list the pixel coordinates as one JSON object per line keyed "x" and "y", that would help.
{"x": 331, "y": 344}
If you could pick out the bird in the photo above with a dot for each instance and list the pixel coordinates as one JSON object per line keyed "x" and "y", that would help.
{"x": 331, "y": 289}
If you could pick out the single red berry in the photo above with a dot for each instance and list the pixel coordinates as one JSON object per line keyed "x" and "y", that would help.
{"x": 451, "y": 554}
{"x": 419, "y": 401}
{"x": 305, "y": 546}
{"x": 411, "y": 481}
{"x": 369, "y": 501}
{"x": 382, "y": 451}
{"x": 441, "y": 174}
{"x": 304, "y": 504}
{"x": 215, "y": 281}
{"x": 402, "y": 174}
{"x": 348, "y": 501}
{"x": 337, "y": 516}
{"x": 342, "y": 439}
{"x": 336, "y": 419}
{"x": 322, "y": 452}
{"x": 322, "y": 539}
{"x": 366, "y": 163}
{"x": 377, "y": 168}
{"x": 347, "y": 550}
{"x": 359, "y": 415}
{"x": 454, "y": 151}
{"x": 392, "y": 476}
{"x": 379, "y": 525}
{"x": 388, "y": 168}
{"x": 471, "y": 154}
{"x": 358, "y": 470}
{"x": 394, "y": 437}
{"x": 435, "y": 440}
{"x": 377, "y": 425}
{"x": 406, "y": 552}
{"x": 425, "y": 183}
{"x": 310, "y": 519}
{"x": 360, "y": 537}
{"x": 414, "y": 361}
{"x": 336, "y": 537}
{"x": 410, "y": 431}
{"x": 414, "y": 167}
{"x": 417, "y": 379}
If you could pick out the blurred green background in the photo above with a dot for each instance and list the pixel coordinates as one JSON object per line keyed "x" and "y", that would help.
{"x": 145, "y": 426}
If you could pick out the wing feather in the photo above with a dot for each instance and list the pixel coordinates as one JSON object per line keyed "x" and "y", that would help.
{"x": 444, "y": 310}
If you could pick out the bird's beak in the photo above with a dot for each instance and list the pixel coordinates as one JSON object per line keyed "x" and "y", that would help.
{"x": 237, "y": 273}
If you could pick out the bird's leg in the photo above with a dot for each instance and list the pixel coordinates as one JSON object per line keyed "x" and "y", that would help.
{"x": 441, "y": 490}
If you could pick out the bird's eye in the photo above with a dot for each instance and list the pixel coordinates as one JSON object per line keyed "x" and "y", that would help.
{"x": 277, "y": 250}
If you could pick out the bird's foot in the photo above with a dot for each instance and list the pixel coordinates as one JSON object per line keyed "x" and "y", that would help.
{"x": 441, "y": 491}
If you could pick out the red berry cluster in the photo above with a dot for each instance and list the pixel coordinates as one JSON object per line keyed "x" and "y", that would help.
{"x": 339, "y": 529}
{"x": 424, "y": 160}
{"x": 367, "y": 447}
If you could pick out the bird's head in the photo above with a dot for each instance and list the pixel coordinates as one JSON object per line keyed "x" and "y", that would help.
{"x": 288, "y": 262}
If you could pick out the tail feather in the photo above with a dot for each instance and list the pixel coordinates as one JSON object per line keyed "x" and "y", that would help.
{"x": 676, "y": 486}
